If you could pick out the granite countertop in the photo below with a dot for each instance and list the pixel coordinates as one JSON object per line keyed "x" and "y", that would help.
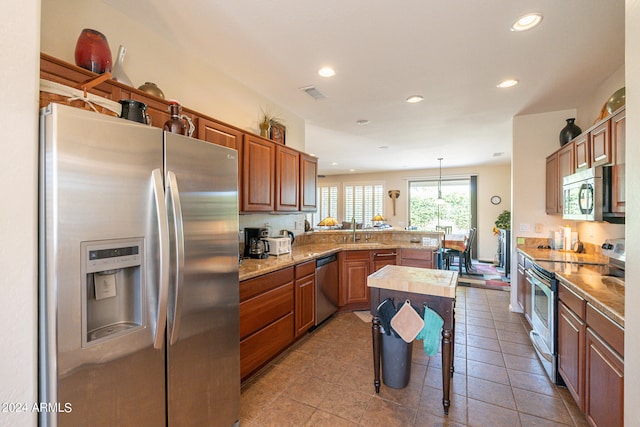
{"x": 251, "y": 268}
{"x": 587, "y": 275}
{"x": 425, "y": 281}
{"x": 553, "y": 255}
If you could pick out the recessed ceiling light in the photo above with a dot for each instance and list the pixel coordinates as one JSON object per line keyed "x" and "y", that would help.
{"x": 363, "y": 122}
{"x": 527, "y": 22}
{"x": 352, "y": 170}
{"x": 327, "y": 72}
{"x": 334, "y": 164}
{"x": 507, "y": 83}
{"x": 415, "y": 99}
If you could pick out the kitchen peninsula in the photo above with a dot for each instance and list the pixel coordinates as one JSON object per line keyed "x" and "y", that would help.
{"x": 277, "y": 298}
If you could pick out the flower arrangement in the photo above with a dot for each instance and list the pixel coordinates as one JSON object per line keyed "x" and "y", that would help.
{"x": 502, "y": 222}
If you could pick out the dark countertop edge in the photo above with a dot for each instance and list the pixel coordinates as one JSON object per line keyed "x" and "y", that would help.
{"x": 252, "y": 268}
{"x": 612, "y": 313}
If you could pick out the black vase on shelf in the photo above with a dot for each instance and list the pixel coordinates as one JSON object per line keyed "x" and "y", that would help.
{"x": 570, "y": 131}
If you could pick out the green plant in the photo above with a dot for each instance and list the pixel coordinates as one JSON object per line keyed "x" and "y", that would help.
{"x": 504, "y": 220}
{"x": 268, "y": 117}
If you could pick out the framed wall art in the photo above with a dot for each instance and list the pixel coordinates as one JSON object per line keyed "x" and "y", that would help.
{"x": 277, "y": 132}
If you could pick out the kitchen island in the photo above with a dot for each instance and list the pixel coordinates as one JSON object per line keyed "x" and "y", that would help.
{"x": 435, "y": 289}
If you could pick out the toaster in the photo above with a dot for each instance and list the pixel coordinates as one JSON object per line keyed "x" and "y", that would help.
{"x": 278, "y": 245}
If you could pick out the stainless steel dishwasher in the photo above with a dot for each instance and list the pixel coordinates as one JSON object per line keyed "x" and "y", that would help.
{"x": 326, "y": 287}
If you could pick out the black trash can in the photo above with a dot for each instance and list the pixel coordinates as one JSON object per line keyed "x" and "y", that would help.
{"x": 396, "y": 361}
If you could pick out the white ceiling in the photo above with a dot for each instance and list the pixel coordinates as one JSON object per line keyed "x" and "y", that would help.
{"x": 452, "y": 52}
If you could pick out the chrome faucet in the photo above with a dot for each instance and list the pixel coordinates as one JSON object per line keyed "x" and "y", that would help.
{"x": 353, "y": 227}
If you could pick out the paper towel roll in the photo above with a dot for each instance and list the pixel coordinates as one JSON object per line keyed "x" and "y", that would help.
{"x": 567, "y": 238}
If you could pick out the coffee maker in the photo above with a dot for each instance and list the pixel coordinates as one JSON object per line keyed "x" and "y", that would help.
{"x": 254, "y": 246}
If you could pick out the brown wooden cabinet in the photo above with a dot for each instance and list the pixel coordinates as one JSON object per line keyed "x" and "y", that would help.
{"x": 305, "y": 297}
{"x": 355, "y": 267}
{"x": 422, "y": 258}
{"x": 618, "y": 139}
{"x": 287, "y": 184}
{"x": 601, "y": 144}
{"x": 604, "y": 383}
{"x": 524, "y": 287}
{"x": 571, "y": 341}
{"x": 382, "y": 257}
{"x": 308, "y": 182}
{"x": 258, "y": 174}
{"x": 266, "y": 318}
{"x": 559, "y": 164}
{"x": 582, "y": 149}
{"x": 590, "y": 346}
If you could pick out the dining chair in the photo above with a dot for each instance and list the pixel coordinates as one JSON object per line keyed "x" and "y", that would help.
{"x": 464, "y": 256}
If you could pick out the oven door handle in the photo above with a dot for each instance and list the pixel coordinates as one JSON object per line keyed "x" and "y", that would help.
{"x": 533, "y": 336}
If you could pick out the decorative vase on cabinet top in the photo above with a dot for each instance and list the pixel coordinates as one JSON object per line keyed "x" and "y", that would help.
{"x": 616, "y": 101}
{"x": 570, "y": 131}
{"x": 92, "y": 51}
{"x": 152, "y": 88}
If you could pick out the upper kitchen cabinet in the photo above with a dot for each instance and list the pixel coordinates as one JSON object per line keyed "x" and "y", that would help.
{"x": 601, "y": 144}
{"x": 618, "y": 136}
{"x": 559, "y": 164}
{"x": 582, "y": 152}
{"x": 308, "y": 182}
{"x": 220, "y": 134}
{"x": 287, "y": 179}
{"x": 271, "y": 176}
{"x": 258, "y": 174}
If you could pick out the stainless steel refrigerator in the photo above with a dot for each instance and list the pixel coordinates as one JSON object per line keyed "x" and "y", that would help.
{"x": 139, "y": 320}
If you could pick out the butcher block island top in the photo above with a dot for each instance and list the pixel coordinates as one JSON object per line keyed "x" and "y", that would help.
{"x": 425, "y": 281}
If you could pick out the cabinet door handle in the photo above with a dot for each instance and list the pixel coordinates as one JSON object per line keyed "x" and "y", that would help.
{"x": 381, "y": 255}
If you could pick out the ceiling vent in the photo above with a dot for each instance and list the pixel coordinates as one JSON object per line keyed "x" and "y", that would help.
{"x": 313, "y": 92}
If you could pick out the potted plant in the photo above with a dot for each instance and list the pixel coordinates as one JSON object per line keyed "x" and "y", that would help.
{"x": 502, "y": 222}
{"x": 266, "y": 121}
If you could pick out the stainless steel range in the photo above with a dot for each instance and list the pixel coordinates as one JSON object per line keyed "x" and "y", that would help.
{"x": 544, "y": 299}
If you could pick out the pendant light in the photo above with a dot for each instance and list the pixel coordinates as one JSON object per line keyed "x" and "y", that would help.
{"x": 440, "y": 200}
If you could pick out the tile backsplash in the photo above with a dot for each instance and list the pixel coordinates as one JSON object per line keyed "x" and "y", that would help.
{"x": 275, "y": 223}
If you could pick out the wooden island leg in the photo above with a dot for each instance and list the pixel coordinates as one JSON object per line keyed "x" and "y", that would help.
{"x": 375, "y": 339}
{"x": 447, "y": 366}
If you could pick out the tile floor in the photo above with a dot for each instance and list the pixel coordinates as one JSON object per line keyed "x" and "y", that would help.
{"x": 326, "y": 379}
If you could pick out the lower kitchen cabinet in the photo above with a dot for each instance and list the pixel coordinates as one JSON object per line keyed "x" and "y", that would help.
{"x": 604, "y": 383}
{"x": 305, "y": 297}
{"x": 417, "y": 258}
{"x": 382, "y": 257}
{"x": 571, "y": 339}
{"x": 355, "y": 267}
{"x": 590, "y": 346}
{"x": 524, "y": 287}
{"x": 266, "y": 318}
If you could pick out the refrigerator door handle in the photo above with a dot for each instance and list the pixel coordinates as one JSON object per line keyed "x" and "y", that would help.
{"x": 163, "y": 234}
{"x": 176, "y": 206}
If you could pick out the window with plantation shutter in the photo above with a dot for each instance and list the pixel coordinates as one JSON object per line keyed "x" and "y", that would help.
{"x": 327, "y": 203}
{"x": 363, "y": 202}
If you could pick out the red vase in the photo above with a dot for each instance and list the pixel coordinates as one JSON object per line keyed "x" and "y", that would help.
{"x": 92, "y": 51}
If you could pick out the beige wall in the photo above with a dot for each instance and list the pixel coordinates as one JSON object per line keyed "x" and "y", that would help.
{"x": 19, "y": 66}
{"x": 153, "y": 56}
{"x": 632, "y": 297}
{"x": 492, "y": 180}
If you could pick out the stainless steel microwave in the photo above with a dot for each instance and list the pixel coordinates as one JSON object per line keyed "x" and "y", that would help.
{"x": 582, "y": 195}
